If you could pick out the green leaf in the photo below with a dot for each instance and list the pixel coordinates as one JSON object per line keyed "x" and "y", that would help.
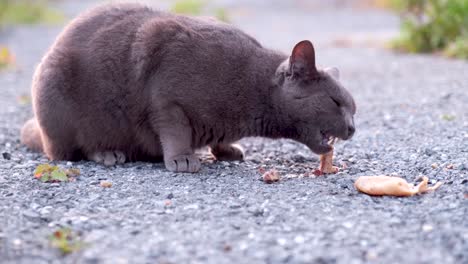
{"x": 45, "y": 178}
{"x": 66, "y": 241}
{"x": 59, "y": 175}
{"x": 49, "y": 173}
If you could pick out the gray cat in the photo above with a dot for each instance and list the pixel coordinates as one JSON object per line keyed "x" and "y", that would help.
{"x": 125, "y": 83}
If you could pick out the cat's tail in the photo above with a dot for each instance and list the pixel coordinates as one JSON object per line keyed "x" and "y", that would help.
{"x": 31, "y": 135}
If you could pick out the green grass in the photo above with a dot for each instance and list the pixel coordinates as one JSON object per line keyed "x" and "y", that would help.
{"x": 222, "y": 14}
{"x": 433, "y": 26}
{"x": 14, "y": 12}
{"x": 197, "y": 8}
{"x": 188, "y": 7}
{"x": 458, "y": 48}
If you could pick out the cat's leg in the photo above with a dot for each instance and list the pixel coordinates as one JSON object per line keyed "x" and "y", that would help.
{"x": 108, "y": 158}
{"x": 228, "y": 152}
{"x": 175, "y": 134}
{"x": 54, "y": 116}
{"x": 145, "y": 147}
{"x": 57, "y": 136}
{"x": 58, "y": 140}
{"x": 61, "y": 149}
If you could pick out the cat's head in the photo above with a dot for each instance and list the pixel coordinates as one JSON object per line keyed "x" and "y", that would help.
{"x": 314, "y": 102}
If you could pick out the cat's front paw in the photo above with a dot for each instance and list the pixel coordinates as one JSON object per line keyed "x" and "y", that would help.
{"x": 108, "y": 158}
{"x": 183, "y": 163}
{"x": 228, "y": 152}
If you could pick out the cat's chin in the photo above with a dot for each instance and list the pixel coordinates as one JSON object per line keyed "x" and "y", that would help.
{"x": 322, "y": 146}
{"x": 322, "y": 149}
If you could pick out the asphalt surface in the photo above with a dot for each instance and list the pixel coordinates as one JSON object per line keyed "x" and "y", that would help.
{"x": 412, "y": 120}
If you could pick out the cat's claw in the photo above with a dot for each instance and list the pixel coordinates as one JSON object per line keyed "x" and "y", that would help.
{"x": 108, "y": 158}
{"x": 183, "y": 163}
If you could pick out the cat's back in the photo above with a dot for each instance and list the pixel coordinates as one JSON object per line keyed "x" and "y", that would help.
{"x": 99, "y": 22}
{"x": 129, "y": 42}
{"x": 91, "y": 50}
{"x": 93, "y": 32}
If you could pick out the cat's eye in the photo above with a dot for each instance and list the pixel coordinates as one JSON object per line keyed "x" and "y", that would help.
{"x": 336, "y": 102}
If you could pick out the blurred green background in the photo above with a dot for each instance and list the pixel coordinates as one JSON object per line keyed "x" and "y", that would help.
{"x": 427, "y": 26}
{"x": 433, "y": 26}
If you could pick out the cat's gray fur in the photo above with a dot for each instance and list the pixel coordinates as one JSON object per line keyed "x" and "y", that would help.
{"x": 125, "y": 82}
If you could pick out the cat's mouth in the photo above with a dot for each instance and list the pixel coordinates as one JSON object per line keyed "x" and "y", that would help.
{"x": 328, "y": 139}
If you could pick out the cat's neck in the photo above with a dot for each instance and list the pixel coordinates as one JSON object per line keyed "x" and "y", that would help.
{"x": 267, "y": 120}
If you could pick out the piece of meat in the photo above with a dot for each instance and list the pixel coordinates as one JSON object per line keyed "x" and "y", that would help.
{"x": 393, "y": 186}
{"x": 271, "y": 176}
{"x": 326, "y": 164}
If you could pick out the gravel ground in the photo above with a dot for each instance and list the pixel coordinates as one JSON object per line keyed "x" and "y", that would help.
{"x": 225, "y": 214}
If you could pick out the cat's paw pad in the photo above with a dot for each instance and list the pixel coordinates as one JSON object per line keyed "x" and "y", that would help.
{"x": 228, "y": 152}
{"x": 183, "y": 163}
{"x": 108, "y": 158}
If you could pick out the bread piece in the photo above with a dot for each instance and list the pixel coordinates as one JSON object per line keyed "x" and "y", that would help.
{"x": 394, "y": 186}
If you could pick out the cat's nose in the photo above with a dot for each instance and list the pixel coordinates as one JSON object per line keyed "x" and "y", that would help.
{"x": 351, "y": 131}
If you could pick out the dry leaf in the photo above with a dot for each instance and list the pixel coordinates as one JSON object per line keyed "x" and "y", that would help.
{"x": 6, "y": 57}
{"x": 73, "y": 172}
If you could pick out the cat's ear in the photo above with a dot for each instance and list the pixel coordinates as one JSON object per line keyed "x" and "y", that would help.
{"x": 333, "y": 72}
{"x": 302, "y": 60}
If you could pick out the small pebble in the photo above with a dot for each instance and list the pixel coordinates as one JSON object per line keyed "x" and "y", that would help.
{"x": 106, "y": 184}
{"x": 348, "y": 225}
{"x": 6, "y": 155}
{"x": 371, "y": 255}
{"x": 299, "y": 239}
{"x": 281, "y": 241}
{"x": 227, "y": 248}
{"x": 427, "y": 228}
{"x": 17, "y": 242}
